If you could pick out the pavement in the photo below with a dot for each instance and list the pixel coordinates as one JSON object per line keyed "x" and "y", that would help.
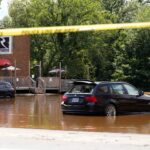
{"x": 38, "y": 139}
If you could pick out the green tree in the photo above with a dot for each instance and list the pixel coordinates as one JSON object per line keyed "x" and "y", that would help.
{"x": 6, "y": 22}
{"x": 109, "y": 55}
{"x": 132, "y": 52}
{"x": 121, "y": 10}
{"x": 70, "y": 48}
{"x": 141, "y": 64}
{"x": 141, "y": 47}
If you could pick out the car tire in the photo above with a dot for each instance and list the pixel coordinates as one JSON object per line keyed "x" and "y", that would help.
{"x": 110, "y": 110}
{"x": 11, "y": 95}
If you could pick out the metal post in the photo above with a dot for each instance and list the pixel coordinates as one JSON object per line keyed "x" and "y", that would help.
{"x": 29, "y": 69}
{"x": 88, "y": 72}
{"x": 40, "y": 69}
{"x": 15, "y": 76}
{"x": 60, "y": 76}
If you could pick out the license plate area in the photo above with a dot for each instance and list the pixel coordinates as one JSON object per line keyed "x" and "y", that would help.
{"x": 75, "y": 100}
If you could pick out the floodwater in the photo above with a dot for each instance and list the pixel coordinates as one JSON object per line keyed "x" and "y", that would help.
{"x": 44, "y": 112}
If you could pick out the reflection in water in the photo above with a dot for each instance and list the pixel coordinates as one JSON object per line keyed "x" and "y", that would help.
{"x": 31, "y": 112}
{"x": 125, "y": 124}
{"x": 42, "y": 111}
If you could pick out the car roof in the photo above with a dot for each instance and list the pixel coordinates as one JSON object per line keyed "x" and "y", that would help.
{"x": 4, "y": 82}
{"x": 84, "y": 82}
{"x": 96, "y": 82}
{"x": 110, "y": 82}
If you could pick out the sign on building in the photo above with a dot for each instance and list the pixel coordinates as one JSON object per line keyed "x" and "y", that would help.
{"x": 5, "y": 45}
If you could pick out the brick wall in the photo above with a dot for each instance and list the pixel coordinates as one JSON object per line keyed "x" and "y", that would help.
{"x": 20, "y": 54}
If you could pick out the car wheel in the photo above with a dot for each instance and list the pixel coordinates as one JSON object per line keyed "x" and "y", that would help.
{"x": 11, "y": 95}
{"x": 110, "y": 110}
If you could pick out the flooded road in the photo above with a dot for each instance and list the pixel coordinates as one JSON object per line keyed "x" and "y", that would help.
{"x": 41, "y": 111}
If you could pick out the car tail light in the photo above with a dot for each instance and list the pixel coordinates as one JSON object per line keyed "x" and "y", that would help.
{"x": 64, "y": 98}
{"x": 91, "y": 99}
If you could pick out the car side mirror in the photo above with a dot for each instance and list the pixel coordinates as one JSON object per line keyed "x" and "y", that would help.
{"x": 141, "y": 93}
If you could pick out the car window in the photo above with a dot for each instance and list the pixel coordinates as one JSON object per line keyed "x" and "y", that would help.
{"x": 102, "y": 89}
{"x": 2, "y": 86}
{"x": 131, "y": 89}
{"x": 117, "y": 89}
{"x": 8, "y": 86}
{"x": 82, "y": 89}
{"x": 5, "y": 85}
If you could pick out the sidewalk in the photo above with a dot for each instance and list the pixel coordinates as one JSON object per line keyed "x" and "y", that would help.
{"x": 38, "y": 139}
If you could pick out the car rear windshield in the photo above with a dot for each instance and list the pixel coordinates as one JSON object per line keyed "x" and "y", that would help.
{"x": 82, "y": 88}
{"x": 5, "y": 85}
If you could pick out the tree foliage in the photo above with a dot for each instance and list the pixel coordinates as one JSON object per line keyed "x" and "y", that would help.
{"x": 110, "y": 55}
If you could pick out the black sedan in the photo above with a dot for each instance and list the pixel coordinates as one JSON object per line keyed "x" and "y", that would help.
{"x": 109, "y": 98}
{"x": 6, "y": 90}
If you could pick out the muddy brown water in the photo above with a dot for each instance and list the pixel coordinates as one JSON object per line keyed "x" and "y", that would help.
{"x": 44, "y": 112}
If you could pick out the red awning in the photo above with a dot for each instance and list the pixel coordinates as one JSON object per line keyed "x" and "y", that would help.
{"x": 5, "y": 63}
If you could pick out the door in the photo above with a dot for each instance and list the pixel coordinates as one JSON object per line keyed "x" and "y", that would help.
{"x": 123, "y": 99}
{"x": 133, "y": 94}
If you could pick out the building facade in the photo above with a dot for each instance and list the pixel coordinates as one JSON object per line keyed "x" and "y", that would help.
{"x": 15, "y": 51}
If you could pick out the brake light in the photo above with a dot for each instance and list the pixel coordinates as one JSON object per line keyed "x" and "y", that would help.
{"x": 91, "y": 99}
{"x": 64, "y": 98}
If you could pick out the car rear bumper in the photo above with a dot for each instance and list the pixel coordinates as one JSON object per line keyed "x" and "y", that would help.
{"x": 81, "y": 108}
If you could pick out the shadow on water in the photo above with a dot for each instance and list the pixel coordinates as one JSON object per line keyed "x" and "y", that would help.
{"x": 44, "y": 112}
